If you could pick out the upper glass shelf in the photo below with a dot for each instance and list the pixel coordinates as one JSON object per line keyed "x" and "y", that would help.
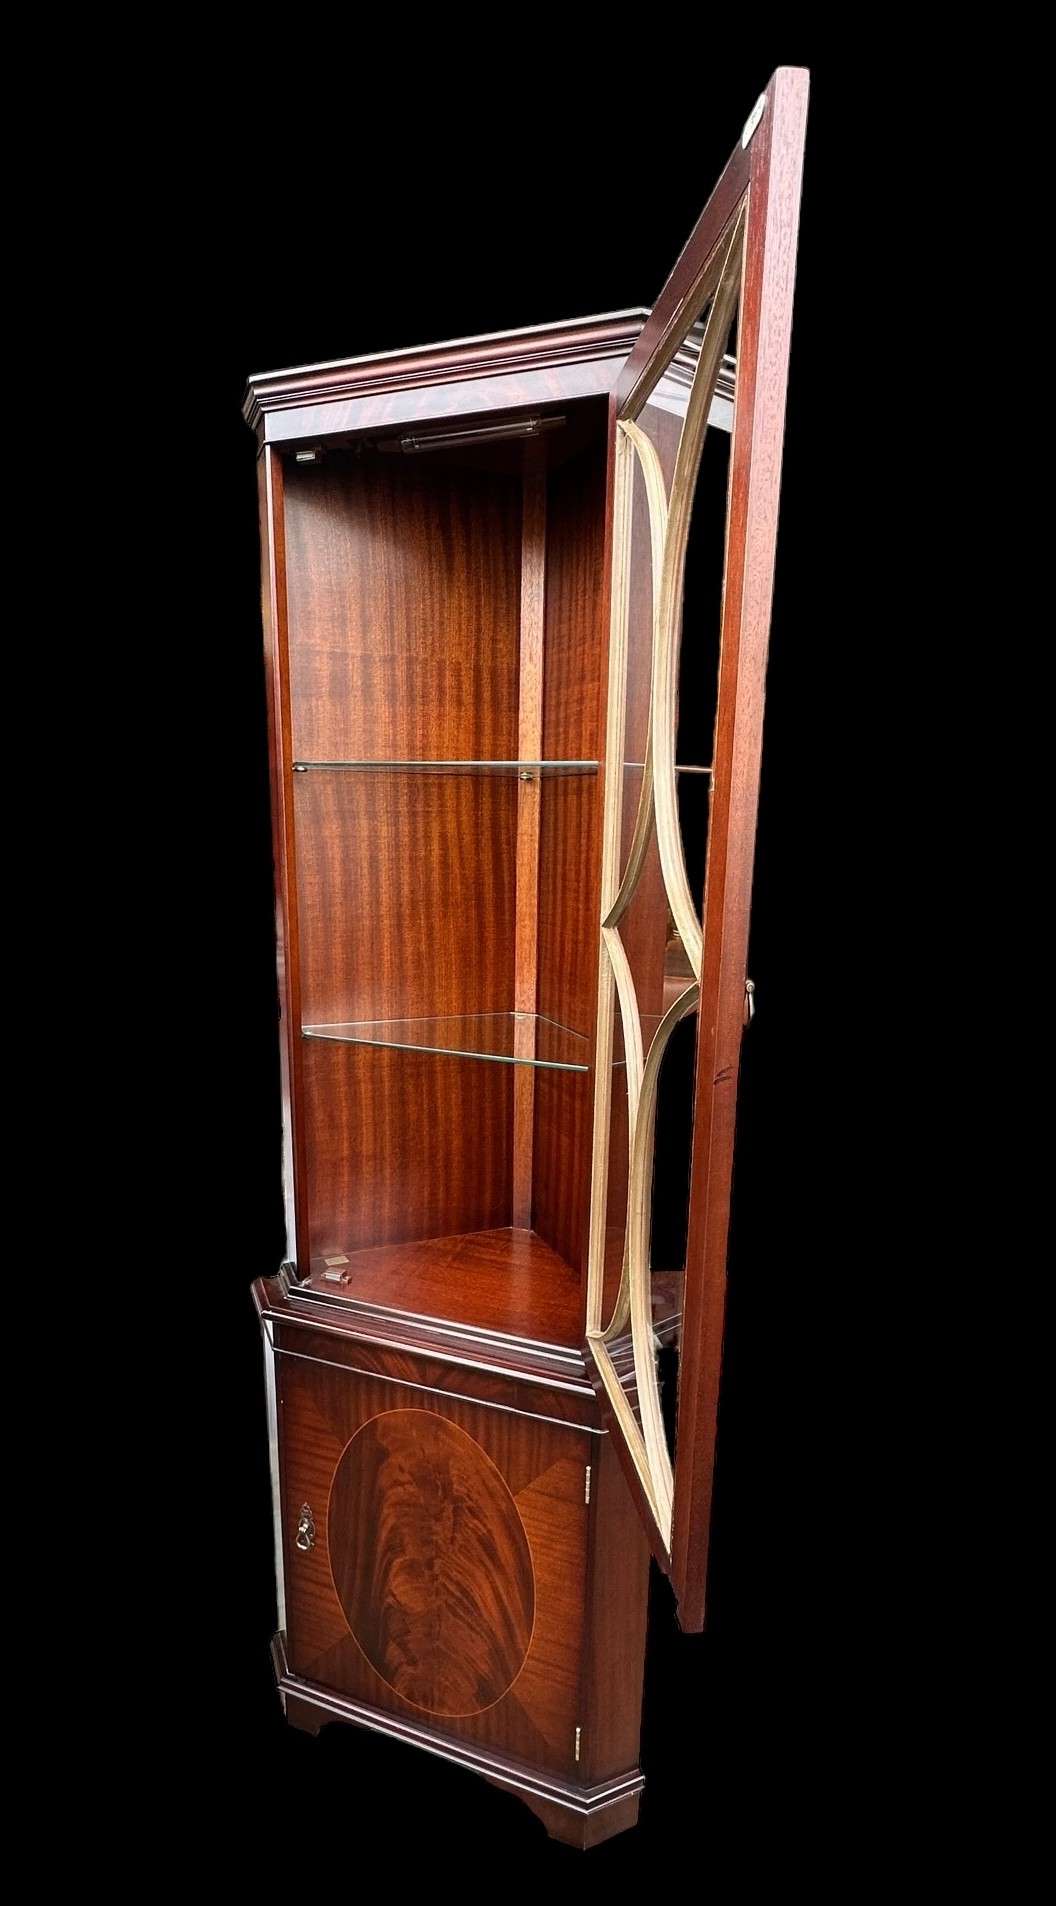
{"x": 507, "y": 1038}
{"x": 522, "y": 768}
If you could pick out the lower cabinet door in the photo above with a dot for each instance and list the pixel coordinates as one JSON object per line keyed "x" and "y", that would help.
{"x": 435, "y": 1558}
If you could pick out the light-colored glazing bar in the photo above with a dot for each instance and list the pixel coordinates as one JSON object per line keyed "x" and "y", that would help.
{"x": 610, "y": 873}
{"x": 667, "y": 640}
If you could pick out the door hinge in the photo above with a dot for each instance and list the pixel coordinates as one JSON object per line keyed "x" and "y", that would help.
{"x": 586, "y": 1490}
{"x": 579, "y": 1731}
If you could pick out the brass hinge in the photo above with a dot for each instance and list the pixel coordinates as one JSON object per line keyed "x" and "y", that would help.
{"x": 579, "y": 1731}
{"x": 586, "y": 1492}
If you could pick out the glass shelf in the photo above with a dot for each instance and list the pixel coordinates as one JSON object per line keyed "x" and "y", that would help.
{"x": 522, "y": 768}
{"x": 681, "y": 767}
{"x": 506, "y": 1038}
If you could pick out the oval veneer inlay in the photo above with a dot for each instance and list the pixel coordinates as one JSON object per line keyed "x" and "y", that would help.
{"x": 436, "y": 1582}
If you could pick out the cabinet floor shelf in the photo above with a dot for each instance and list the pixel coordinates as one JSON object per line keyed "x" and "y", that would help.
{"x": 503, "y": 1038}
{"x": 507, "y": 1281}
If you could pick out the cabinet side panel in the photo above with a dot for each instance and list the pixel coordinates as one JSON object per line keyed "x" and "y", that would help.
{"x": 570, "y": 839}
{"x": 574, "y": 606}
{"x": 404, "y": 582}
{"x": 561, "y": 1162}
{"x": 404, "y": 1145}
{"x": 568, "y": 901}
{"x": 617, "y": 1615}
{"x": 573, "y": 660}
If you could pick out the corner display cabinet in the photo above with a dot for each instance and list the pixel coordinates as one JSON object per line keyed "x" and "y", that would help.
{"x": 515, "y": 700}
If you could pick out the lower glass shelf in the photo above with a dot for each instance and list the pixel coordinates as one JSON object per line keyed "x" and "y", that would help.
{"x": 506, "y": 1038}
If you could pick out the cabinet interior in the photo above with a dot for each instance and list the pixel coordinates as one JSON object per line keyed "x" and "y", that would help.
{"x": 447, "y": 649}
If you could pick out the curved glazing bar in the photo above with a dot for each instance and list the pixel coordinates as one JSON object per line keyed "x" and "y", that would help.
{"x": 638, "y": 1217}
{"x": 664, "y": 718}
{"x": 634, "y": 1061}
{"x": 656, "y": 495}
{"x": 665, "y": 914}
{"x": 623, "y": 485}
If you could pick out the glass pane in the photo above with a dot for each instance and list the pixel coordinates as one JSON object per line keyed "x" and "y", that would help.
{"x": 639, "y": 663}
{"x": 698, "y": 657}
{"x": 670, "y": 1208}
{"x": 616, "y": 1187}
{"x": 693, "y": 793}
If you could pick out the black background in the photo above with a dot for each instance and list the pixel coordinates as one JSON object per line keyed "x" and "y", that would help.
{"x": 373, "y": 216}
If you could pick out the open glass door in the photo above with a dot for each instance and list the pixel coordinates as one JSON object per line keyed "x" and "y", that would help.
{"x": 698, "y": 418}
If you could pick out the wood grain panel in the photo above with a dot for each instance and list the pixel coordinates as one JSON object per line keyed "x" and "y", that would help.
{"x": 568, "y": 979}
{"x": 544, "y": 1380}
{"x": 570, "y": 836}
{"x": 542, "y": 1467}
{"x": 529, "y": 748}
{"x": 477, "y": 400}
{"x": 431, "y": 1563}
{"x": 576, "y": 603}
{"x": 553, "y": 1513}
{"x": 438, "y": 373}
{"x": 563, "y": 1130}
{"x": 310, "y": 1449}
{"x": 403, "y": 610}
{"x": 501, "y": 1280}
{"x": 615, "y": 1627}
{"x": 574, "y": 607}
{"x": 407, "y": 892}
{"x": 403, "y": 1145}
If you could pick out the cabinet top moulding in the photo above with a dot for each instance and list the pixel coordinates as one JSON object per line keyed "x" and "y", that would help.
{"x": 547, "y": 363}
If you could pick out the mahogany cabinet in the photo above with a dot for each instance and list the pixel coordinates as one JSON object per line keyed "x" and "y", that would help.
{"x": 516, "y": 597}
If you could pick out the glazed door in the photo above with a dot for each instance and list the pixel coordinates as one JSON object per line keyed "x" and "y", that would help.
{"x": 698, "y": 416}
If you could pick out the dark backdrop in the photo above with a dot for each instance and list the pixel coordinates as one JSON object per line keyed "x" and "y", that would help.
{"x": 363, "y": 219}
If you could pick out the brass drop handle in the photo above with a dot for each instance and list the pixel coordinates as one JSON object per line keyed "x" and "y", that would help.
{"x": 305, "y": 1528}
{"x": 749, "y": 1001}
